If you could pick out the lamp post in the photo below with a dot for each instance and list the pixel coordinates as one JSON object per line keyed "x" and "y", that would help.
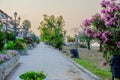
{"x": 15, "y": 25}
{"x": 15, "y": 15}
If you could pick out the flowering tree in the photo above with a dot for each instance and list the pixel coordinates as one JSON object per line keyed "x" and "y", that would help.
{"x": 86, "y": 39}
{"x": 106, "y": 27}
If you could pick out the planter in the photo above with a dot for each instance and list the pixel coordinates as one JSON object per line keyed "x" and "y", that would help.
{"x": 115, "y": 66}
{"x": 29, "y": 47}
{"x": 74, "y": 53}
{"x": 8, "y": 66}
{"x": 35, "y": 45}
{"x": 22, "y": 52}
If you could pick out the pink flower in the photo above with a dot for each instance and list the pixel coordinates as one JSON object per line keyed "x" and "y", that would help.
{"x": 103, "y": 63}
{"x": 104, "y": 3}
{"x": 96, "y": 35}
{"x": 118, "y": 44}
{"x": 103, "y": 19}
{"x": 104, "y": 37}
{"x": 88, "y": 32}
{"x": 118, "y": 6}
{"x": 87, "y": 23}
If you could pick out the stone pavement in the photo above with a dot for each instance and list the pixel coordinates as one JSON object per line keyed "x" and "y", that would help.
{"x": 51, "y": 62}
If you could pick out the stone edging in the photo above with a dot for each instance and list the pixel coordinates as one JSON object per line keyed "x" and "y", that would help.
{"x": 22, "y": 52}
{"x": 8, "y": 66}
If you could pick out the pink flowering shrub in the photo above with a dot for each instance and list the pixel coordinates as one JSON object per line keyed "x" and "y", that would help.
{"x": 106, "y": 27}
{"x": 7, "y": 56}
{"x": 4, "y": 57}
{"x": 103, "y": 63}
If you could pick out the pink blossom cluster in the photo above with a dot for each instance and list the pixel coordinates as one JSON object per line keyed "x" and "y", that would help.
{"x": 103, "y": 63}
{"x": 12, "y": 52}
{"x": 104, "y": 21}
{"x": 4, "y": 57}
{"x": 118, "y": 44}
{"x": 110, "y": 12}
{"x": 106, "y": 25}
{"x": 88, "y": 22}
{"x": 97, "y": 35}
{"x": 88, "y": 32}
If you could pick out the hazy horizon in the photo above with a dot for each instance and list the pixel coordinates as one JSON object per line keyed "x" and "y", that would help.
{"x": 73, "y": 11}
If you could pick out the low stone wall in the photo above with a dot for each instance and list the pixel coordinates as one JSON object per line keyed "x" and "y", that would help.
{"x": 8, "y": 66}
{"x": 22, "y": 52}
{"x": 35, "y": 45}
{"x": 29, "y": 47}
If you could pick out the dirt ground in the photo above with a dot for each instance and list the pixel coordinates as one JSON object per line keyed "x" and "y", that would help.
{"x": 94, "y": 55}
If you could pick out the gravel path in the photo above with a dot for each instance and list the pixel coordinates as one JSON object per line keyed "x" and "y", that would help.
{"x": 51, "y": 62}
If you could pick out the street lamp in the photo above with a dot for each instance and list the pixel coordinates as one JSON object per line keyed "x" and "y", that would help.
{"x": 19, "y": 18}
{"x": 15, "y": 15}
{"x": 15, "y": 25}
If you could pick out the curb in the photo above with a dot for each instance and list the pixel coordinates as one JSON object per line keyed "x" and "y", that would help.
{"x": 82, "y": 68}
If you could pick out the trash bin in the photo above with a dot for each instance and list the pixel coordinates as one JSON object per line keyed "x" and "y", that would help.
{"x": 74, "y": 53}
{"x": 115, "y": 65}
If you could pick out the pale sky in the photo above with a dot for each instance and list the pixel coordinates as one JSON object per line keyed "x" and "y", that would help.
{"x": 73, "y": 11}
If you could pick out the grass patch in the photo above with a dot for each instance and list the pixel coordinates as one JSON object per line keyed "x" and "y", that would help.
{"x": 105, "y": 74}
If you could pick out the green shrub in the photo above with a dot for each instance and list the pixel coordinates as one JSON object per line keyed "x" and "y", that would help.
{"x": 22, "y": 40}
{"x": 2, "y": 40}
{"x": 70, "y": 39}
{"x": 31, "y": 75}
{"x": 35, "y": 38}
{"x": 10, "y": 36}
{"x": 10, "y": 45}
{"x": 58, "y": 41}
{"x": 2, "y": 37}
{"x": 83, "y": 45}
{"x": 20, "y": 45}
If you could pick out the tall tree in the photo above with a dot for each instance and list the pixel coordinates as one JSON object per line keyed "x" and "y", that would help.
{"x": 26, "y": 26}
{"x": 52, "y": 31}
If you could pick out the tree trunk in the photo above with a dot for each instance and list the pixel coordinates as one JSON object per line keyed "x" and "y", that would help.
{"x": 100, "y": 47}
{"x": 88, "y": 44}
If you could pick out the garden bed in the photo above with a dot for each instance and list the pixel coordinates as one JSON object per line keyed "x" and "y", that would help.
{"x": 7, "y": 66}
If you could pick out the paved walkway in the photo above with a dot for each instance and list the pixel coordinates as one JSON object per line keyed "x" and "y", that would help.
{"x": 51, "y": 62}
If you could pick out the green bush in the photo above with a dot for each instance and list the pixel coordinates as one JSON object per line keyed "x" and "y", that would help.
{"x": 22, "y": 40}
{"x": 58, "y": 41}
{"x": 31, "y": 75}
{"x": 2, "y": 37}
{"x": 2, "y": 40}
{"x": 10, "y": 36}
{"x": 10, "y": 45}
{"x": 35, "y": 38}
{"x": 82, "y": 45}
{"x": 70, "y": 39}
{"x": 18, "y": 45}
